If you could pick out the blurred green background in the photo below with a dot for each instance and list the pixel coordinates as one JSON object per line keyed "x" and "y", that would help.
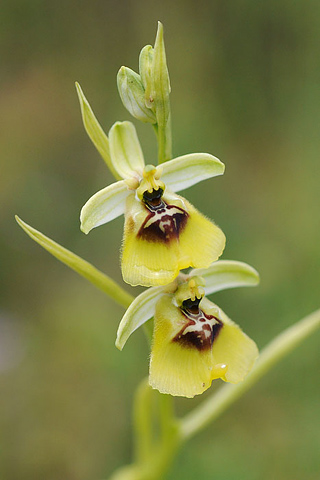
{"x": 245, "y": 87}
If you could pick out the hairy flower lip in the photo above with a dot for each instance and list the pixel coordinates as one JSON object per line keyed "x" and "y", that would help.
{"x": 194, "y": 342}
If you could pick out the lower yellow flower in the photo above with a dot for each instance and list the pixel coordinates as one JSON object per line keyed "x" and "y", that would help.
{"x": 164, "y": 234}
{"x": 194, "y": 342}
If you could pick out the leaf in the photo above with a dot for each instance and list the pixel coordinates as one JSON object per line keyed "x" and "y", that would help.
{"x": 84, "y": 268}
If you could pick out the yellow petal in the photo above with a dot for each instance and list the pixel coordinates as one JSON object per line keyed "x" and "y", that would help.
{"x": 183, "y": 364}
{"x": 201, "y": 242}
{"x": 174, "y": 369}
{"x": 232, "y": 347}
{"x": 157, "y": 246}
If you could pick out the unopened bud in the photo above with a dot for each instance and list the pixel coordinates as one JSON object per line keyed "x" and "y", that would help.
{"x": 160, "y": 83}
{"x": 132, "y": 94}
{"x": 145, "y": 69}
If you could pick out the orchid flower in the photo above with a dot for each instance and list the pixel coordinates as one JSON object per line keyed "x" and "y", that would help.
{"x": 194, "y": 342}
{"x": 163, "y": 232}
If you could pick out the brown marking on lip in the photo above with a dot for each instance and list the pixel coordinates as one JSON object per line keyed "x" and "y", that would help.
{"x": 163, "y": 223}
{"x": 198, "y": 337}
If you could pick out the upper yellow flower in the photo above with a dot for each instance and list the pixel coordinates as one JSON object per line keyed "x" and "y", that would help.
{"x": 194, "y": 342}
{"x": 163, "y": 232}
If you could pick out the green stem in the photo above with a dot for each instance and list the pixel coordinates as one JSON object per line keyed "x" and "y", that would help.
{"x": 142, "y": 419}
{"x": 166, "y": 415}
{"x": 283, "y": 344}
{"x": 164, "y": 137}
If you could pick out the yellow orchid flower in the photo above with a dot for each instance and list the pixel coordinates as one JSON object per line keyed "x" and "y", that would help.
{"x": 163, "y": 232}
{"x": 194, "y": 342}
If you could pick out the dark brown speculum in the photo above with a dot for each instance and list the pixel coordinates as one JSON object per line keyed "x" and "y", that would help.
{"x": 200, "y": 329}
{"x": 163, "y": 222}
{"x": 191, "y": 305}
{"x": 153, "y": 199}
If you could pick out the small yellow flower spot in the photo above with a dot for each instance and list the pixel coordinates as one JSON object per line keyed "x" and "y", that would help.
{"x": 219, "y": 371}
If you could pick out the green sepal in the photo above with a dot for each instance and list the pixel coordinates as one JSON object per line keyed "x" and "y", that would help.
{"x": 125, "y": 150}
{"x": 132, "y": 94}
{"x": 104, "y": 206}
{"x": 182, "y": 172}
{"x": 139, "y": 312}
{"x": 94, "y": 130}
{"x": 82, "y": 267}
{"x": 225, "y": 274}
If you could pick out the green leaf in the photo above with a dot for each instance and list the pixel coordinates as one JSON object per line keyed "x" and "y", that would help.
{"x": 94, "y": 130}
{"x": 225, "y": 274}
{"x": 104, "y": 206}
{"x": 126, "y": 154}
{"x": 182, "y": 172}
{"x": 139, "y": 312}
{"x": 84, "y": 268}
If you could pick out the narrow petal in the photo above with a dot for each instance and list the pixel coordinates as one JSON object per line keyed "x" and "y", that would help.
{"x": 225, "y": 274}
{"x": 232, "y": 348}
{"x": 157, "y": 245}
{"x": 182, "y": 172}
{"x": 125, "y": 149}
{"x": 104, "y": 206}
{"x": 174, "y": 369}
{"x": 94, "y": 130}
{"x": 139, "y": 312}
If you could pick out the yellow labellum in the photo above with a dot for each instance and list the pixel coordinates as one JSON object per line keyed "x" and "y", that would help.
{"x": 183, "y": 366}
{"x": 161, "y": 241}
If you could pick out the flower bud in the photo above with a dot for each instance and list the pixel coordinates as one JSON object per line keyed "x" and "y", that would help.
{"x": 132, "y": 94}
{"x": 160, "y": 83}
{"x": 145, "y": 69}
